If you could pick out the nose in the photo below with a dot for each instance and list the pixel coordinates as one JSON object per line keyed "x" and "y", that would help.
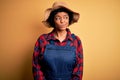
{"x": 62, "y": 20}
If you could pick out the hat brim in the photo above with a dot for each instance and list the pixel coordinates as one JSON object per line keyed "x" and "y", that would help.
{"x": 76, "y": 15}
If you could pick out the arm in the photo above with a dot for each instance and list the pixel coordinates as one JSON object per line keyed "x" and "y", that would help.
{"x": 36, "y": 67}
{"x": 78, "y": 70}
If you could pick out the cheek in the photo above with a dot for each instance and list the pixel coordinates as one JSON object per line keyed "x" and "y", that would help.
{"x": 68, "y": 22}
{"x": 56, "y": 22}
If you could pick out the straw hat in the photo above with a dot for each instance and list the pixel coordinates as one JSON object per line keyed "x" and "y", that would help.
{"x": 58, "y": 5}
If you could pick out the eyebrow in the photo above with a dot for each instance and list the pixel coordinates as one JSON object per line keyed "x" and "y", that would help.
{"x": 60, "y": 16}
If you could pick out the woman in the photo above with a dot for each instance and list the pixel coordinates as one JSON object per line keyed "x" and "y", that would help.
{"x": 58, "y": 55}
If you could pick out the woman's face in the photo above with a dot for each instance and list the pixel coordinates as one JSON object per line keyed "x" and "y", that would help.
{"x": 61, "y": 20}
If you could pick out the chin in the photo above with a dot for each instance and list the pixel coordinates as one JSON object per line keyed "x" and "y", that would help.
{"x": 62, "y": 29}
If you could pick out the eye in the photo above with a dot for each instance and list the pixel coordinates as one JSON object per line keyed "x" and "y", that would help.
{"x": 57, "y": 18}
{"x": 66, "y": 17}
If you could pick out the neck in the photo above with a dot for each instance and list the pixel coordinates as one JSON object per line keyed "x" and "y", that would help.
{"x": 60, "y": 35}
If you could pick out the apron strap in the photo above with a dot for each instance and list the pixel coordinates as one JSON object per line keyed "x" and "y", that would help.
{"x": 51, "y": 42}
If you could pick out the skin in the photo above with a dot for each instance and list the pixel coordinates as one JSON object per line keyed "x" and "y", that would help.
{"x": 61, "y": 20}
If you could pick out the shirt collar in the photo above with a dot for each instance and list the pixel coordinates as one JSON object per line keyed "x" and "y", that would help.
{"x": 51, "y": 35}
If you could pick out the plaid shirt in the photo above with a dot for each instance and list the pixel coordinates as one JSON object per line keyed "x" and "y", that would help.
{"x": 39, "y": 49}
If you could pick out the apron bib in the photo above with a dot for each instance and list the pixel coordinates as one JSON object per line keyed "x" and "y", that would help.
{"x": 59, "y": 61}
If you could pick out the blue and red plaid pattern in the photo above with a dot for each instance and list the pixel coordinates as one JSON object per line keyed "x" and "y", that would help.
{"x": 39, "y": 49}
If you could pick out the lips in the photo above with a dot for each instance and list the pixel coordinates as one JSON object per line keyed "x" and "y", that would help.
{"x": 63, "y": 25}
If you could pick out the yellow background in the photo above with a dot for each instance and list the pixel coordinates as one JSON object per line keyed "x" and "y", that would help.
{"x": 98, "y": 28}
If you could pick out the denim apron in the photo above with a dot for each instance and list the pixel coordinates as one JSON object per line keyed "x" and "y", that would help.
{"x": 59, "y": 61}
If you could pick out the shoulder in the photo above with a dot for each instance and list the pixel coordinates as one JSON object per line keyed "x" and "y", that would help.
{"x": 77, "y": 40}
{"x": 43, "y": 36}
{"x": 74, "y": 36}
{"x": 42, "y": 39}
